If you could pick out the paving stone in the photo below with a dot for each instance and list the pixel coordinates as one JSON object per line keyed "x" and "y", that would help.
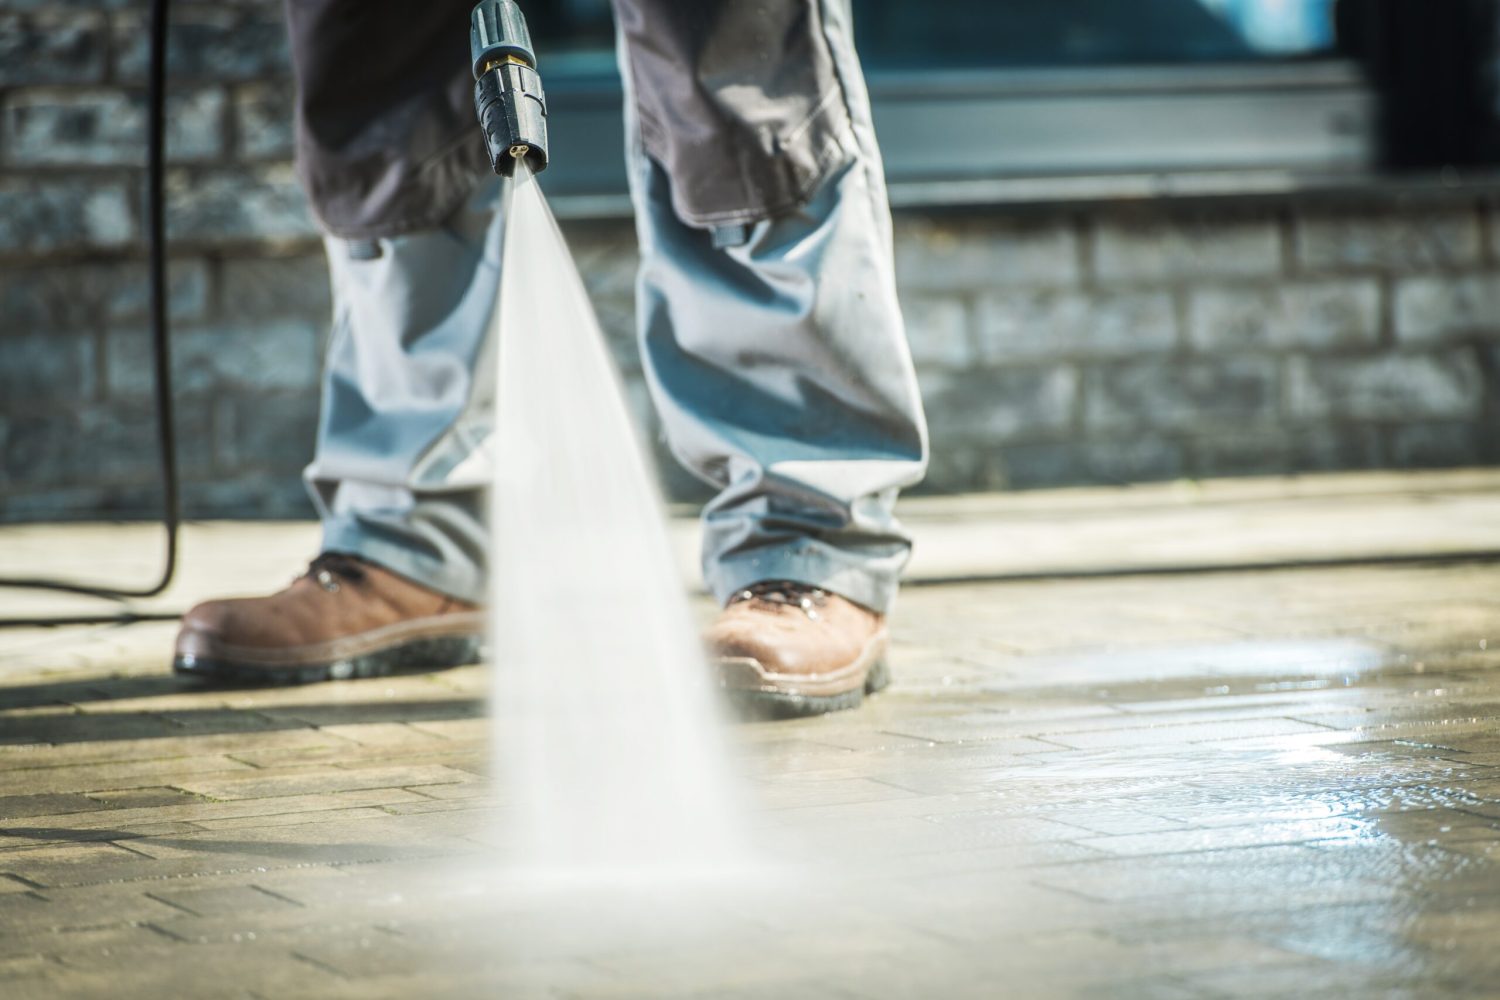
{"x": 226, "y": 901}
{"x": 141, "y": 798}
{"x": 1222, "y": 730}
{"x": 454, "y": 729}
{"x": 267, "y": 782}
{"x": 98, "y": 777}
{"x": 165, "y": 747}
{"x": 40, "y": 865}
{"x": 234, "y": 969}
{"x": 263, "y": 821}
{"x": 207, "y": 814}
{"x": 96, "y": 943}
{"x": 1281, "y": 778}
{"x": 62, "y": 911}
{"x": 17, "y": 807}
{"x": 462, "y": 790}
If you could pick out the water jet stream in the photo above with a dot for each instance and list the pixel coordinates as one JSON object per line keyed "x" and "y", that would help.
{"x": 607, "y": 729}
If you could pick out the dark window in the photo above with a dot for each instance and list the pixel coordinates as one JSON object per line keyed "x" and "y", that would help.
{"x": 996, "y": 100}
{"x": 988, "y": 33}
{"x": 1058, "y": 33}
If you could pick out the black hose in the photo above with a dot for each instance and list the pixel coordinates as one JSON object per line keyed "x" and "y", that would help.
{"x": 156, "y": 249}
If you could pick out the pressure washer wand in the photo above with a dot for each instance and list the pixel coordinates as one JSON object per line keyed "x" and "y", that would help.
{"x": 508, "y": 94}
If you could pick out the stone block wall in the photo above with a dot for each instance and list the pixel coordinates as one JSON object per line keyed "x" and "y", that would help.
{"x": 1114, "y": 344}
{"x": 1073, "y": 345}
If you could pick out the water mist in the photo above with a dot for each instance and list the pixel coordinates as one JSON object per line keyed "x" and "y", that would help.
{"x": 607, "y": 728}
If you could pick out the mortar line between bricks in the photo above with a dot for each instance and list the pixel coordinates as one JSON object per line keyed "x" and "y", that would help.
{"x": 416, "y": 790}
{"x": 316, "y": 963}
{"x": 1286, "y": 224}
{"x": 1388, "y": 337}
{"x": 121, "y": 846}
{"x": 1083, "y": 253}
{"x": 1041, "y": 883}
{"x": 1484, "y": 223}
{"x": 188, "y": 877}
{"x": 169, "y": 935}
{"x": 276, "y": 895}
{"x": 1182, "y": 852}
{"x": 167, "y": 757}
{"x": 22, "y": 881}
{"x": 175, "y": 906}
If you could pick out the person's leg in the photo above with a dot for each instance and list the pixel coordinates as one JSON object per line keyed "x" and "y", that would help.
{"x": 391, "y": 161}
{"x": 399, "y": 473}
{"x": 781, "y": 371}
{"x": 776, "y": 355}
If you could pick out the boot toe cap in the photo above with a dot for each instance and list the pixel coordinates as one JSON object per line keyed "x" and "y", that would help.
{"x": 205, "y": 628}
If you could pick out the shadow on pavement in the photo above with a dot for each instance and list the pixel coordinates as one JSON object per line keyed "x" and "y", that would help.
{"x": 100, "y": 721}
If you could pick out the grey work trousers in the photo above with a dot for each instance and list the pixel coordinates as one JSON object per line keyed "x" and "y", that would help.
{"x": 778, "y": 364}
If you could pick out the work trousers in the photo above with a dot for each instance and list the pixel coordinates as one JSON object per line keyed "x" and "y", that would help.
{"x": 770, "y": 334}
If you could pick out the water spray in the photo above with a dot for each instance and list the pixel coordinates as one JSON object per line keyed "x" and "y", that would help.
{"x": 508, "y": 95}
{"x": 607, "y": 739}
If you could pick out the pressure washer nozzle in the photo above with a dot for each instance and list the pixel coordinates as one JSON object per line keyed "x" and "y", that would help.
{"x": 508, "y": 94}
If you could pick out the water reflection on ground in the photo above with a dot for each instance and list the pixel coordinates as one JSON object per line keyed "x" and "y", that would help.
{"x": 1274, "y": 784}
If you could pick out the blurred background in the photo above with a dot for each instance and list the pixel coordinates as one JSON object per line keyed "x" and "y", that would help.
{"x": 1137, "y": 241}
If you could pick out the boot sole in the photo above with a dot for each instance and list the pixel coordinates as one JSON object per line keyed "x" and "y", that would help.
{"x": 776, "y": 697}
{"x": 419, "y": 655}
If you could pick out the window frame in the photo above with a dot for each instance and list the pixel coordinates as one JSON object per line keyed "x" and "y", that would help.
{"x": 1017, "y": 136}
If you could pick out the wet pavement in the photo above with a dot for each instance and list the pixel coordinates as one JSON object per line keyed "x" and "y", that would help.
{"x": 1249, "y": 783}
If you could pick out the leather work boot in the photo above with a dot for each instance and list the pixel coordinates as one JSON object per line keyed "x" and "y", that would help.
{"x": 344, "y": 617}
{"x": 787, "y": 649}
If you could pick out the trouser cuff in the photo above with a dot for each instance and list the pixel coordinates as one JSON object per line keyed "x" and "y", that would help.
{"x": 849, "y": 577}
{"x": 347, "y": 535}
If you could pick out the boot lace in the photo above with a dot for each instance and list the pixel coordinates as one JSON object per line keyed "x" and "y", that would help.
{"x": 332, "y": 567}
{"x": 775, "y": 595}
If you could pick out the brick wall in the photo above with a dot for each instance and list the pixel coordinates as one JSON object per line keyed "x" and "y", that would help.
{"x": 1071, "y": 346}
{"x": 1114, "y": 345}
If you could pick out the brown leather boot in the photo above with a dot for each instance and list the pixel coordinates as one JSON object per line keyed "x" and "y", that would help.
{"x": 789, "y": 649}
{"x": 344, "y": 617}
